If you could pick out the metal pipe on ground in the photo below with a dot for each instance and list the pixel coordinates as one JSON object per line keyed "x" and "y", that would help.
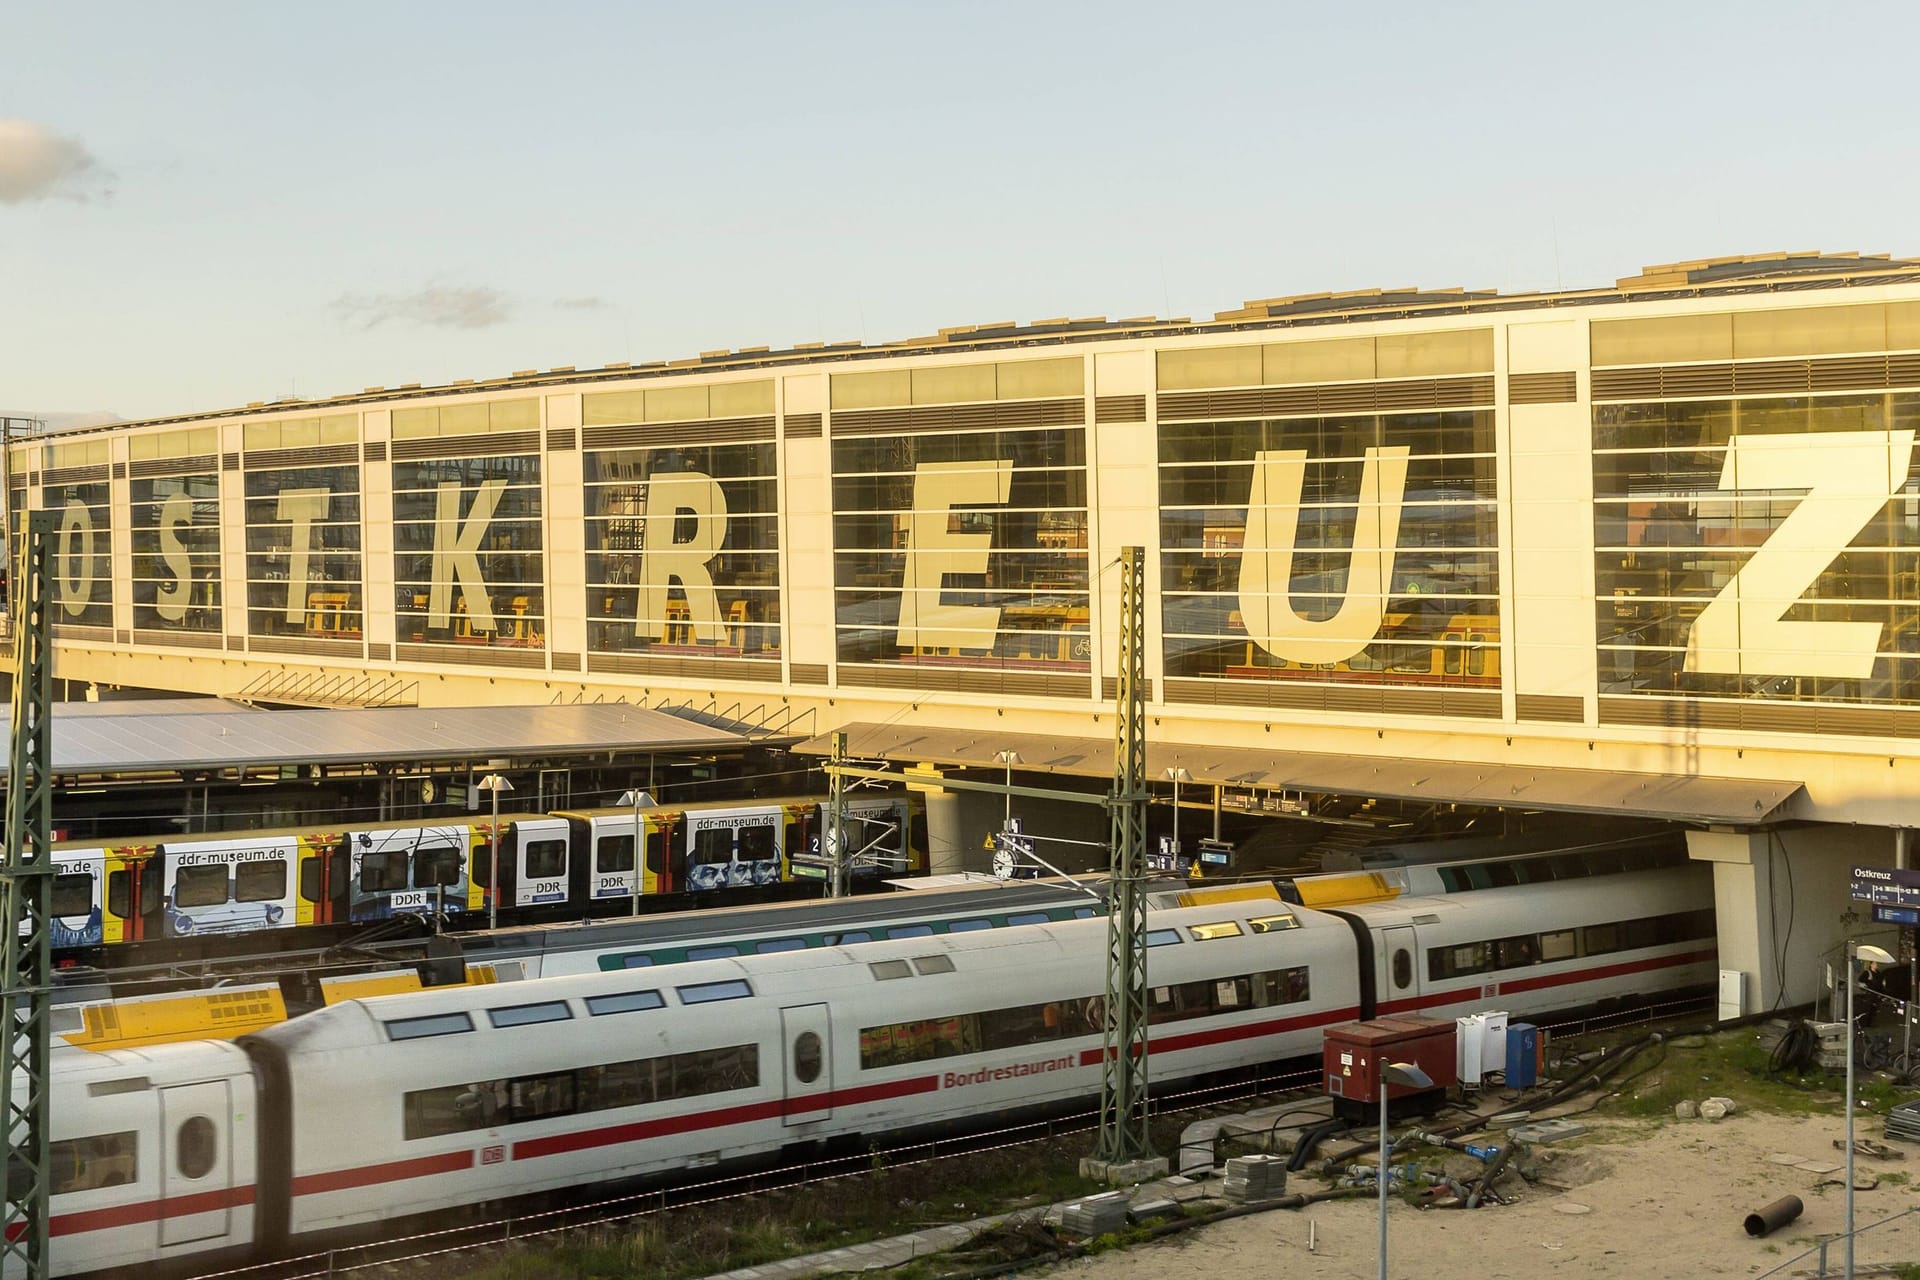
{"x": 1774, "y": 1216}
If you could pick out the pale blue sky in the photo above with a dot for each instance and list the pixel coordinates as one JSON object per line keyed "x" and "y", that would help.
{"x": 308, "y": 199}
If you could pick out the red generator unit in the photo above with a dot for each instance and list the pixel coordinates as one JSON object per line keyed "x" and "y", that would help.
{"x": 1354, "y": 1053}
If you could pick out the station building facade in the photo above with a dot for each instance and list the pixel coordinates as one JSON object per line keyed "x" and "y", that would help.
{"x": 1668, "y": 528}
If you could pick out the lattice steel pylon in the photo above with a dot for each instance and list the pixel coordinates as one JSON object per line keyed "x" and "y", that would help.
{"x": 839, "y": 849}
{"x": 26, "y": 870}
{"x": 1123, "y": 1139}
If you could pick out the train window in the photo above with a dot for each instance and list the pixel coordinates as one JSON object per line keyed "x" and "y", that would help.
{"x": 1222, "y": 929}
{"x": 1162, "y": 937}
{"x": 72, "y": 895}
{"x": 613, "y": 853}
{"x": 1029, "y": 917}
{"x": 1083, "y": 913}
{"x": 911, "y": 931}
{"x": 636, "y": 962}
{"x": 520, "y": 1015}
{"x": 932, "y": 964}
{"x": 712, "y": 845}
{"x": 83, "y": 1164}
{"x": 196, "y": 1147}
{"x": 1516, "y": 952}
{"x": 807, "y": 1057}
{"x": 1402, "y": 968}
{"x": 546, "y": 859}
{"x": 202, "y": 886}
{"x": 119, "y": 894}
{"x": 885, "y": 969}
{"x": 433, "y": 1024}
{"x": 656, "y": 851}
{"x": 1455, "y": 962}
{"x": 310, "y": 879}
{"x": 625, "y": 1002}
{"x": 718, "y": 951}
{"x": 1454, "y": 880}
{"x": 534, "y": 1097}
{"x": 383, "y": 870}
{"x": 708, "y": 992}
{"x": 858, "y": 935}
{"x": 772, "y": 945}
{"x": 262, "y": 881}
{"x": 1273, "y": 924}
{"x": 439, "y": 865}
{"x": 969, "y": 926}
{"x": 1562, "y": 945}
{"x": 759, "y": 843}
{"x": 1599, "y": 939}
{"x": 339, "y": 873}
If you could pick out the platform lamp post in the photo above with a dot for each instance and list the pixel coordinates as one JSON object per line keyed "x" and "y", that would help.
{"x": 1010, "y": 758}
{"x": 1856, "y": 952}
{"x": 639, "y": 800}
{"x": 1179, "y": 775}
{"x": 495, "y": 783}
{"x": 1407, "y": 1076}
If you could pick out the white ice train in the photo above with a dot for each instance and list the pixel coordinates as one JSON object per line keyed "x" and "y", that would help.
{"x": 190, "y": 1156}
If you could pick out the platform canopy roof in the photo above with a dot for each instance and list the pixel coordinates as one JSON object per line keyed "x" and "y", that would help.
{"x": 1678, "y": 797}
{"x": 143, "y": 737}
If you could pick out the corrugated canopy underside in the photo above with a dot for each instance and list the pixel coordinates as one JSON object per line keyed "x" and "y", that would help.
{"x": 1681, "y": 797}
{"x": 129, "y": 738}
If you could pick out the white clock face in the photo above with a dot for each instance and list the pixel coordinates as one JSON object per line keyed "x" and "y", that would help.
{"x": 1002, "y": 865}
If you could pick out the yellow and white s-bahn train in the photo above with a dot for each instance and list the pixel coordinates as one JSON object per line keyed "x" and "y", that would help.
{"x": 142, "y": 899}
{"x": 321, "y": 1129}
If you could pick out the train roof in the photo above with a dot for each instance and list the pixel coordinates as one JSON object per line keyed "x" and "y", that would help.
{"x": 772, "y": 919}
{"x": 788, "y": 975}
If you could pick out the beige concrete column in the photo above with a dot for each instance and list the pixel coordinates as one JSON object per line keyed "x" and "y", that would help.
{"x": 1781, "y": 901}
{"x": 946, "y": 844}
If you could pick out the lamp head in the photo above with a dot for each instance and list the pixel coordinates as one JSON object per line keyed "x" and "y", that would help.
{"x": 1406, "y": 1075}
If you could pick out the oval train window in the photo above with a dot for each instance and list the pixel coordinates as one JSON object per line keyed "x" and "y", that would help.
{"x": 1402, "y": 968}
{"x": 806, "y": 1057}
{"x": 194, "y": 1147}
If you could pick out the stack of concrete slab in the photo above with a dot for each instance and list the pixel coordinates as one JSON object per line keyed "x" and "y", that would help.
{"x": 1903, "y": 1122}
{"x": 1256, "y": 1178}
{"x": 1096, "y": 1215}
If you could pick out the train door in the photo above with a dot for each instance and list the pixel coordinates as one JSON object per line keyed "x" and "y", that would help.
{"x": 807, "y": 1049}
{"x": 1399, "y": 981}
{"x": 610, "y": 855}
{"x": 324, "y": 876}
{"x": 540, "y": 859}
{"x": 196, "y": 1163}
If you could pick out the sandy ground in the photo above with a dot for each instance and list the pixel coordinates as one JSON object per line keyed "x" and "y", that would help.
{"x": 1635, "y": 1198}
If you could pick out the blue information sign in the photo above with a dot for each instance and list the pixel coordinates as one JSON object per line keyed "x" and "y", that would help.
{"x": 1909, "y": 916}
{"x": 1886, "y": 886}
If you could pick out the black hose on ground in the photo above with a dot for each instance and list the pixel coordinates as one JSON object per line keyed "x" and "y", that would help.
{"x": 1797, "y": 1050}
{"x": 1311, "y": 1138}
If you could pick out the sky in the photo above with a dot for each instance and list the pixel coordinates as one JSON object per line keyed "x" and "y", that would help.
{"x": 205, "y": 204}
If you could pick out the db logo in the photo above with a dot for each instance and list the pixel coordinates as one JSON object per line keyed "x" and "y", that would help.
{"x": 493, "y": 1155}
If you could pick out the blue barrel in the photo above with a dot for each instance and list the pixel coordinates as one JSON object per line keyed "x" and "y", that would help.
{"x": 1523, "y": 1055}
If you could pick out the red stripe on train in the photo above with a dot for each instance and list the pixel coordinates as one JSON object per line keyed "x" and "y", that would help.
{"x": 127, "y": 1215}
{"x": 640, "y": 1130}
{"x": 1462, "y": 995}
{"x": 309, "y": 1184}
{"x": 1165, "y": 1043}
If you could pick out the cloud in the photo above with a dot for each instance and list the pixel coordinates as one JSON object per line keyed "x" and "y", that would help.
{"x": 594, "y": 303}
{"x": 434, "y": 307}
{"x": 38, "y": 164}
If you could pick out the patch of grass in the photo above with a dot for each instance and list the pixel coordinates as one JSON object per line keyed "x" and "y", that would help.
{"x": 1732, "y": 1064}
